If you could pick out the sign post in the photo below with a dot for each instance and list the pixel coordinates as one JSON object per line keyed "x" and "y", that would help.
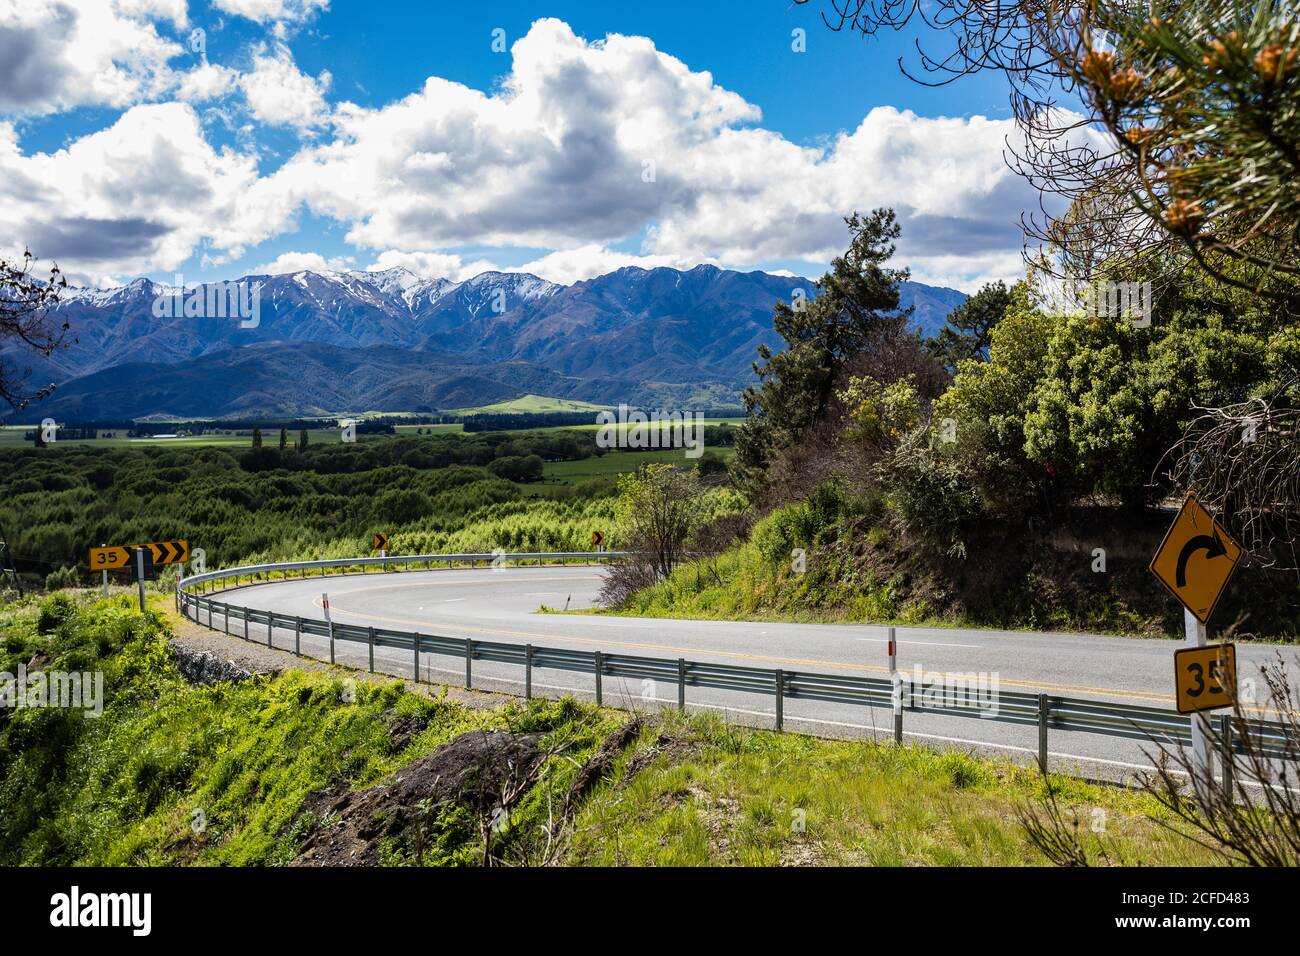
{"x": 139, "y": 574}
{"x": 1202, "y": 760}
{"x": 1194, "y": 561}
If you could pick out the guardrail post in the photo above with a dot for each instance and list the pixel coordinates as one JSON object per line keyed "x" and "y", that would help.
{"x": 1225, "y": 741}
{"x": 528, "y": 672}
{"x": 600, "y": 669}
{"x": 225, "y": 628}
{"x": 415, "y": 643}
{"x": 897, "y": 701}
{"x": 780, "y": 699}
{"x": 370, "y": 640}
{"x": 297, "y": 636}
{"x": 270, "y": 628}
{"x": 1042, "y": 733}
{"x": 681, "y": 684}
{"x": 469, "y": 663}
{"x": 247, "y": 614}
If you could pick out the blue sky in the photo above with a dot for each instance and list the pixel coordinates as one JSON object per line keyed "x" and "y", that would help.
{"x": 567, "y": 138}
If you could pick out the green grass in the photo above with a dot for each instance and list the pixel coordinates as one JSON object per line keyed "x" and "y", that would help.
{"x": 593, "y": 426}
{"x": 719, "y": 794}
{"x": 128, "y": 787}
{"x": 618, "y": 463}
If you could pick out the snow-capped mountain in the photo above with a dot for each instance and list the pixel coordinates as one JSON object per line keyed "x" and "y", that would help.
{"x": 698, "y": 328}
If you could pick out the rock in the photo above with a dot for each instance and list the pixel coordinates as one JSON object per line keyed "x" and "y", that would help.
{"x": 200, "y": 667}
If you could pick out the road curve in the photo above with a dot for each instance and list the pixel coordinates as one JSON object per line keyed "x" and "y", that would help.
{"x": 502, "y": 604}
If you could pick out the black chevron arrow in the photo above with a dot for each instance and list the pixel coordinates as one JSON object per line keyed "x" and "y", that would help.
{"x": 166, "y": 552}
{"x": 1209, "y": 543}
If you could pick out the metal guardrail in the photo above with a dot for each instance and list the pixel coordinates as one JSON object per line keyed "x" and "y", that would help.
{"x": 1046, "y": 711}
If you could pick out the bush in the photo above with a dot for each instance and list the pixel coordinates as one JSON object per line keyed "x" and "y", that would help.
{"x": 54, "y": 611}
{"x": 520, "y": 468}
{"x": 62, "y": 578}
{"x": 402, "y": 506}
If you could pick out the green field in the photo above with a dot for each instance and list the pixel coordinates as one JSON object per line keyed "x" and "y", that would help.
{"x": 531, "y": 404}
{"x": 593, "y": 426}
{"x": 618, "y": 463}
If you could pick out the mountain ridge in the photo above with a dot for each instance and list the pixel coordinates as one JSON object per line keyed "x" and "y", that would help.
{"x": 651, "y": 332}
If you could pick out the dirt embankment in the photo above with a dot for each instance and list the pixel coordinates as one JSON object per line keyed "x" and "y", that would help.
{"x": 483, "y": 773}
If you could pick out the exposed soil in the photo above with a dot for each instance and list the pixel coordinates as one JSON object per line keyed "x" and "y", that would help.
{"x": 602, "y": 761}
{"x": 481, "y": 772}
{"x": 472, "y": 770}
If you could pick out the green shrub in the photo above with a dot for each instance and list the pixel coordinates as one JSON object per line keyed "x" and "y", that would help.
{"x": 65, "y": 577}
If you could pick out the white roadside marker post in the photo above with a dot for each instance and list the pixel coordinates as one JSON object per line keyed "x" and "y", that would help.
{"x": 897, "y": 694}
{"x": 329, "y": 622}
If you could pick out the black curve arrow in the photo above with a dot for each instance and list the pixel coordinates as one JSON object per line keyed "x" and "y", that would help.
{"x": 1209, "y": 543}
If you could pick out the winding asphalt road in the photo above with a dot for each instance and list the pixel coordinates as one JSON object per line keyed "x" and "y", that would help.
{"x": 502, "y": 605}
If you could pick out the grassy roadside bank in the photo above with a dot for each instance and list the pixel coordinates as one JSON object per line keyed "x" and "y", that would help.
{"x": 277, "y": 770}
{"x": 867, "y": 576}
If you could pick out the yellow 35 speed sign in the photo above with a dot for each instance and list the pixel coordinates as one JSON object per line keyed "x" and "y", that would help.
{"x": 1205, "y": 677}
{"x": 123, "y": 556}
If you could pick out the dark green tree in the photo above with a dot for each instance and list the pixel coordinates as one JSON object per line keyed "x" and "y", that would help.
{"x": 856, "y": 307}
{"x": 257, "y": 438}
{"x": 966, "y": 334}
{"x": 284, "y": 438}
{"x": 302, "y": 439}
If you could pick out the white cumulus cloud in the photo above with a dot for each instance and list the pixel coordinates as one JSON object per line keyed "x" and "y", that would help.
{"x": 583, "y": 146}
{"x": 280, "y": 94}
{"x": 290, "y": 262}
{"x": 587, "y": 143}
{"x": 145, "y": 192}
{"x": 269, "y": 11}
{"x": 56, "y": 55}
{"x": 207, "y": 82}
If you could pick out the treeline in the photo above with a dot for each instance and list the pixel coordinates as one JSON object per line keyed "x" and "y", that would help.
{"x": 524, "y": 420}
{"x": 421, "y": 451}
{"x": 273, "y": 503}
